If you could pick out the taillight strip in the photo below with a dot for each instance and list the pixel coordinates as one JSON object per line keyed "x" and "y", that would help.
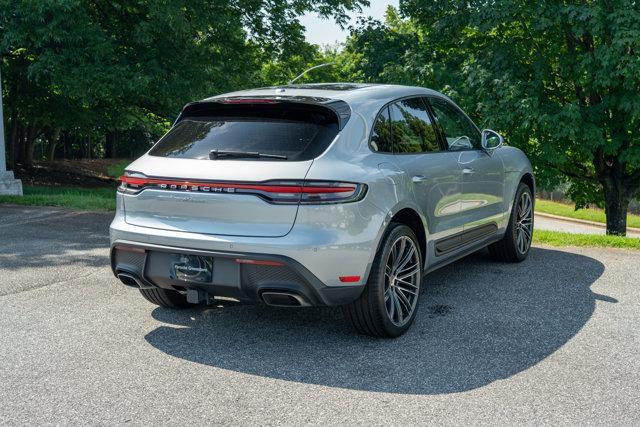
{"x": 249, "y": 101}
{"x": 296, "y": 189}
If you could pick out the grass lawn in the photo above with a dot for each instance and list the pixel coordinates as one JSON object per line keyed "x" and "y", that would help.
{"x": 557, "y": 238}
{"x": 591, "y": 214}
{"x": 76, "y": 198}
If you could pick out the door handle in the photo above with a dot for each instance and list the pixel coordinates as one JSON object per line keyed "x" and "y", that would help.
{"x": 419, "y": 178}
{"x": 468, "y": 171}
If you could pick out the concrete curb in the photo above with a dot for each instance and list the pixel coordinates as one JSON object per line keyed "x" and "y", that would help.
{"x": 580, "y": 221}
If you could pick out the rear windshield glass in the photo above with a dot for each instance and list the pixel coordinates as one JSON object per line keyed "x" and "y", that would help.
{"x": 297, "y": 133}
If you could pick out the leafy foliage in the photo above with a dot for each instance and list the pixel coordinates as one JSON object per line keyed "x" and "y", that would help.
{"x": 561, "y": 80}
{"x": 78, "y": 72}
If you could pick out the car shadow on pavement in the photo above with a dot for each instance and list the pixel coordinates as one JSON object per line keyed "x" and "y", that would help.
{"x": 479, "y": 321}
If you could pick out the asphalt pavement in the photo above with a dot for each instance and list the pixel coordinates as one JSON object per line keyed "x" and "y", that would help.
{"x": 554, "y": 339}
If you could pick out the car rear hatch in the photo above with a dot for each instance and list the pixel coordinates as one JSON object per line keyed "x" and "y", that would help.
{"x": 232, "y": 166}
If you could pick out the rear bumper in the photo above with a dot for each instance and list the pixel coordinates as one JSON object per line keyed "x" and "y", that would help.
{"x": 148, "y": 265}
{"x": 325, "y": 243}
{"x": 328, "y": 240}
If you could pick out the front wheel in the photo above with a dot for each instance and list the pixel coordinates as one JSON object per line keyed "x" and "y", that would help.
{"x": 389, "y": 301}
{"x": 516, "y": 243}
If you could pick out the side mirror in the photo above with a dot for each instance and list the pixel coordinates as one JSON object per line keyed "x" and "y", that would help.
{"x": 491, "y": 139}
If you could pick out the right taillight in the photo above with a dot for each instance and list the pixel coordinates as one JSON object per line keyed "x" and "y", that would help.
{"x": 332, "y": 192}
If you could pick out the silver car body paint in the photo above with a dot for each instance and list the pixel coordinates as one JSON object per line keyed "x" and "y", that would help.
{"x": 330, "y": 240}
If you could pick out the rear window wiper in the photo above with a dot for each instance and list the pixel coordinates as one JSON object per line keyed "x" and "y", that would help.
{"x": 221, "y": 154}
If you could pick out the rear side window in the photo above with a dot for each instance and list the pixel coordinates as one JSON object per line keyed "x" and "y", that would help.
{"x": 381, "y": 139}
{"x": 295, "y": 132}
{"x": 411, "y": 126}
{"x": 459, "y": 131}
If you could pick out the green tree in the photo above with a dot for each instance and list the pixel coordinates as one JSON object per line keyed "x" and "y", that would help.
{"x": 378, "y": 52}
{"x": 561, "y": 79}
{"x": 87, "y": 69}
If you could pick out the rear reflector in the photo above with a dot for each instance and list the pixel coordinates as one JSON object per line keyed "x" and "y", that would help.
{"x": 259, "y": 262}
{"x": 349, "y": 279}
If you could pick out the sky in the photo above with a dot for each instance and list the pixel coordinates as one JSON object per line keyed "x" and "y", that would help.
{"x": 322, "y": 31}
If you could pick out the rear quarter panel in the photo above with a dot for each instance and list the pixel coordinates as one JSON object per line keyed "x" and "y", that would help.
{"x": 356, "y": 227}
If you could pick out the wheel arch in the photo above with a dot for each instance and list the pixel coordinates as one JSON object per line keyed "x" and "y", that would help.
{"x": 410, "y": 217}
{"x": 528, "y": 179}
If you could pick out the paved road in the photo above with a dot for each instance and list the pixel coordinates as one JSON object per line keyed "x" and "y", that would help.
{"x": 546, "y": 223}
{"x": 554, "y": 339}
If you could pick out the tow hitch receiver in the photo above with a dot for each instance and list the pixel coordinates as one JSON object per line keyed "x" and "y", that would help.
{"x": 197, "y": 296}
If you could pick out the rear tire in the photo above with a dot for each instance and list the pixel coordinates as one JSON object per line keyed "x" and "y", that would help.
{"x": 165, "y": 298}
{"x": 510, "y": 248}
{"x": 391, "y": 286}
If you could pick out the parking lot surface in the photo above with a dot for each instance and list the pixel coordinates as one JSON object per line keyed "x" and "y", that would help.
{"x": 554, "y": 339}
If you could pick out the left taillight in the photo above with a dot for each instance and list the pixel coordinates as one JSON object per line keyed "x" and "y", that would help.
{"x": 276, "y": 192}
{"x": 132, "y": 182}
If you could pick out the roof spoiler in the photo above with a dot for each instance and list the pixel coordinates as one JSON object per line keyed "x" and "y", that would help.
{"x": 340, "y": 108}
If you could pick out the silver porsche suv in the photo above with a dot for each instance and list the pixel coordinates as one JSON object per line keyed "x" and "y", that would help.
{"x": 318, "y": 195}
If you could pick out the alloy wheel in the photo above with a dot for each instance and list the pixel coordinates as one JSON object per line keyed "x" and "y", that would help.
{"x": 524, "y": 222}
{"x": 402, "y": 280}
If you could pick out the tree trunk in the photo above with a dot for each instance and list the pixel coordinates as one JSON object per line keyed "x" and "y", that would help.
{"x": 616, "y": 205}
{"x": 610, "y": 173}
{"x": 52, "y": 144}
{"x": 31, "y": 134}
{"x": 65, "y": 145}
{"x": 110, "y": 145}
{"x": 89, "y": 147}
{"x": 13, "y": 139}
{"x": 21, "y": 145}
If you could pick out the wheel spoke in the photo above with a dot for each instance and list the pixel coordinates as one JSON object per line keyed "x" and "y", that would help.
{"x": 409, "y": 274}
{"x": 403, "y": 301}
{"x": 387, "y": 274}
{"x": 396, "y": 302}
{"x": 519, "y": 240}
{"x": 407, "y": 268}
{"x": 405, "y": 290}
{"x": 405, "y": 259}
{"x": 391, "y": 308}
{"x": 393, "y": 256}
{"x": 407, "y": 283}
{"x": 399, "y": 253}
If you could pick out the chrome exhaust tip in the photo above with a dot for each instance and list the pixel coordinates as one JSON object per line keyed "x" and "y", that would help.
{"x": 130, "y": 280}
{"x": 283, "y": 299}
